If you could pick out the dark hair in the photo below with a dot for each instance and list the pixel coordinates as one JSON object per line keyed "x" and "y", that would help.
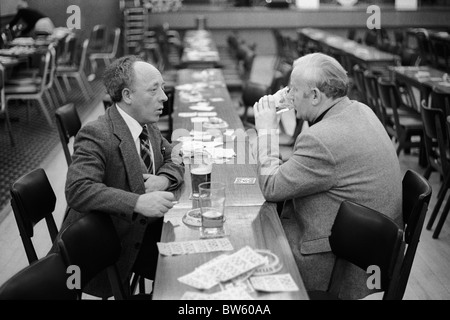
{"x": 119, "y": 75}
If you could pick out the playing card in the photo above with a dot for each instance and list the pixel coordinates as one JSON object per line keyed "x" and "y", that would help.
{"x": 240, "y": 180}
{"x": 207, "y": 114}
{"x": 200, "y": 119}
{"x": 187, "y": 114}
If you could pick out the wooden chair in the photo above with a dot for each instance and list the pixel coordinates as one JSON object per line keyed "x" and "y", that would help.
{"x": 76, "y": 71}
{"x": 44, "y": 279}
{"x": 36, "y": 90}
{"x": 404, "y": 127}
{"x": 108, "y": 55}
{"x": 68, "y": 123}
{"x": 416, "y": 197}
{"x": 364, "y": 237}
{"x": 32, "y": 200}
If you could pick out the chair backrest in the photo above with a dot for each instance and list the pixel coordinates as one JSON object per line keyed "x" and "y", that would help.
{"x": 98, "y": 38}
{"x": 416, "y": 197}
{"x": 358, "y": 72}
{"x": 115, "y": 43}
{"x": 370, "y": 83}
{"x": 389, "y": 99}
{"x": 92, "y": 244}
{"x": 44, "y": 279}
{"x": 435, "y": 129}
{"x": 440, "y": 100}
{"x": 67, "y": 56}
{"x": 84, "y": 49}
{"x": 366, "y": 237}
{"x": 33, "y": 199}
{"x": 68, "y": 123}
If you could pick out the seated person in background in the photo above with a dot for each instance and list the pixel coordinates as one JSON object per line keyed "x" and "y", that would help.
{"x": 345, "y": 154}
{"x": 114, "y": 172}
{"x": 35, "y": 21}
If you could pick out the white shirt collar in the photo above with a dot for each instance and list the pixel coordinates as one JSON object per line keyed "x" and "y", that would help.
{"x": 133, "y": 125}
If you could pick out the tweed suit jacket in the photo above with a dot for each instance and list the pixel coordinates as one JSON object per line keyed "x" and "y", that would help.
{"x": 106, "y": 175}
{"x": 346, "y": 156}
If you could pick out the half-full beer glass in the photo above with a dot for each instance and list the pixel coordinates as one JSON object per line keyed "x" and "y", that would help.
{"x": 201, "y": 167}
{"x": 212, "y": 206}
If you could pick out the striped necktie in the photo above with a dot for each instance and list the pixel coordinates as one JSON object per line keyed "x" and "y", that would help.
{"x": 145, "y": 149}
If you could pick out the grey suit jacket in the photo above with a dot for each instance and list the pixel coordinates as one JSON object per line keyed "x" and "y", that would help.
{"x": 106, "y": 175}
{"x": 346, "y": 156}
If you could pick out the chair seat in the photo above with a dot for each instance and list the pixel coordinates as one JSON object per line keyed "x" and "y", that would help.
{"x": 22, "y": 89}
{"x": 24, "y": 81}
{"x": 411, "y": 122}
{"x": 69, "y": 68}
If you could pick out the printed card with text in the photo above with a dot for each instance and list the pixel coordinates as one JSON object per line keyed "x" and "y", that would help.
{"x": 244, "y": 180}
{"x": 195, "y": 246}
{"x": 274, "y": 283}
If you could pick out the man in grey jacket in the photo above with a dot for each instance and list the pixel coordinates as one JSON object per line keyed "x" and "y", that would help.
{"x": 345, "y": 154}
{"x": 114, "y": 173}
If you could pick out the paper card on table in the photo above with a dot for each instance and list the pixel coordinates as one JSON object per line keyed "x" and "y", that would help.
{"x": 207, "y": 114}
{"x": 444, "y": 84}
{"x": 195, "y": 246}
{"x": 228, "y": 294}
{"x": 245, "y": 180}
{"x": 201, "y": 108}
{"x": 274, "y": 283}
{"x": 187, "y": 114}
{"x": 199, "y": 119}
{"x": 199, "y": 279}
{"x": 216, "y": 99}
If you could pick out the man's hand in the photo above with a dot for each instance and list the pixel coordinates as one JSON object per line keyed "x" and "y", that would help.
{"x": 155, "y": 183}
{"x": 154, "y": 204}
{"x": 265, "y": 116}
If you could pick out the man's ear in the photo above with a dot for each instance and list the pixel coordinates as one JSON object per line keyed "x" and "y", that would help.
{"x": 126, "y": 95}
{"x": 316, "y": 97}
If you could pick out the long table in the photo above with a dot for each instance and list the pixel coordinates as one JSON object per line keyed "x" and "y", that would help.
{"x": 256, "y": 226}
{"x": 420, "y": 81}
{"x": 366, "y": 56}
{"x": 250, "y": 221}
{"x": 200, "y": 50}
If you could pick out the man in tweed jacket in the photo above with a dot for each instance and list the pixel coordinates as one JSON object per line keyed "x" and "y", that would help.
{"x": 108, "y": 174}
{"x": 345, "y": 154}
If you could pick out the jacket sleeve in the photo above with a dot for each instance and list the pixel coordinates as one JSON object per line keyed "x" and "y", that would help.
{"x": 85, "y": 187}
{"x": 309, "y": 170}
{"x": 173, "y": 167}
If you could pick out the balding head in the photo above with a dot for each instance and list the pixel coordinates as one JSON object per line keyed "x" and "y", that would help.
{"x": 322, "y": 72}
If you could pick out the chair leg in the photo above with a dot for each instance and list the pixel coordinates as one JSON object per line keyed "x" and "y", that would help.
{"x": 440, "y": 224}
{"x": 82, "y": 86}
{"x": 86, "y": 83}
{"x": 93, "y": 65}
{"x": 438, "y": 204}
{"x": 49, "y": 99}
{"x": 45, "y": 111}
{"x": 67, "y": 83}
{"x": 428, "y": 172}
{"x": 60, "y": 90}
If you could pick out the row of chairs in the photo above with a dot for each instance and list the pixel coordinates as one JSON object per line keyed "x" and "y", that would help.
{"x": 427, "y": 130}
{"x": 92, "y": 243}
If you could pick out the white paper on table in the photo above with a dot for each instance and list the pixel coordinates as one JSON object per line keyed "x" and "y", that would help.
{"x": 274, "y": 283}
{"x": 207, "y": 114}
{"x": 200, "y": 119}
{"x": 222, "y": 153}
{"x": 201, "y": 108}
{"x": 216, "y": 99}
{"x": 187, "y": 114}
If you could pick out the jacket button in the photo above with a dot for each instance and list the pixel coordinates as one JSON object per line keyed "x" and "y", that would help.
{"x": 137, "y": 245}
{"x": 143, "y": 221}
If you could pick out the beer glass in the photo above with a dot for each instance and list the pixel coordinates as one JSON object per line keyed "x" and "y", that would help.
{"x": 212, "y": 206}
{"x": 200, "y": 168}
